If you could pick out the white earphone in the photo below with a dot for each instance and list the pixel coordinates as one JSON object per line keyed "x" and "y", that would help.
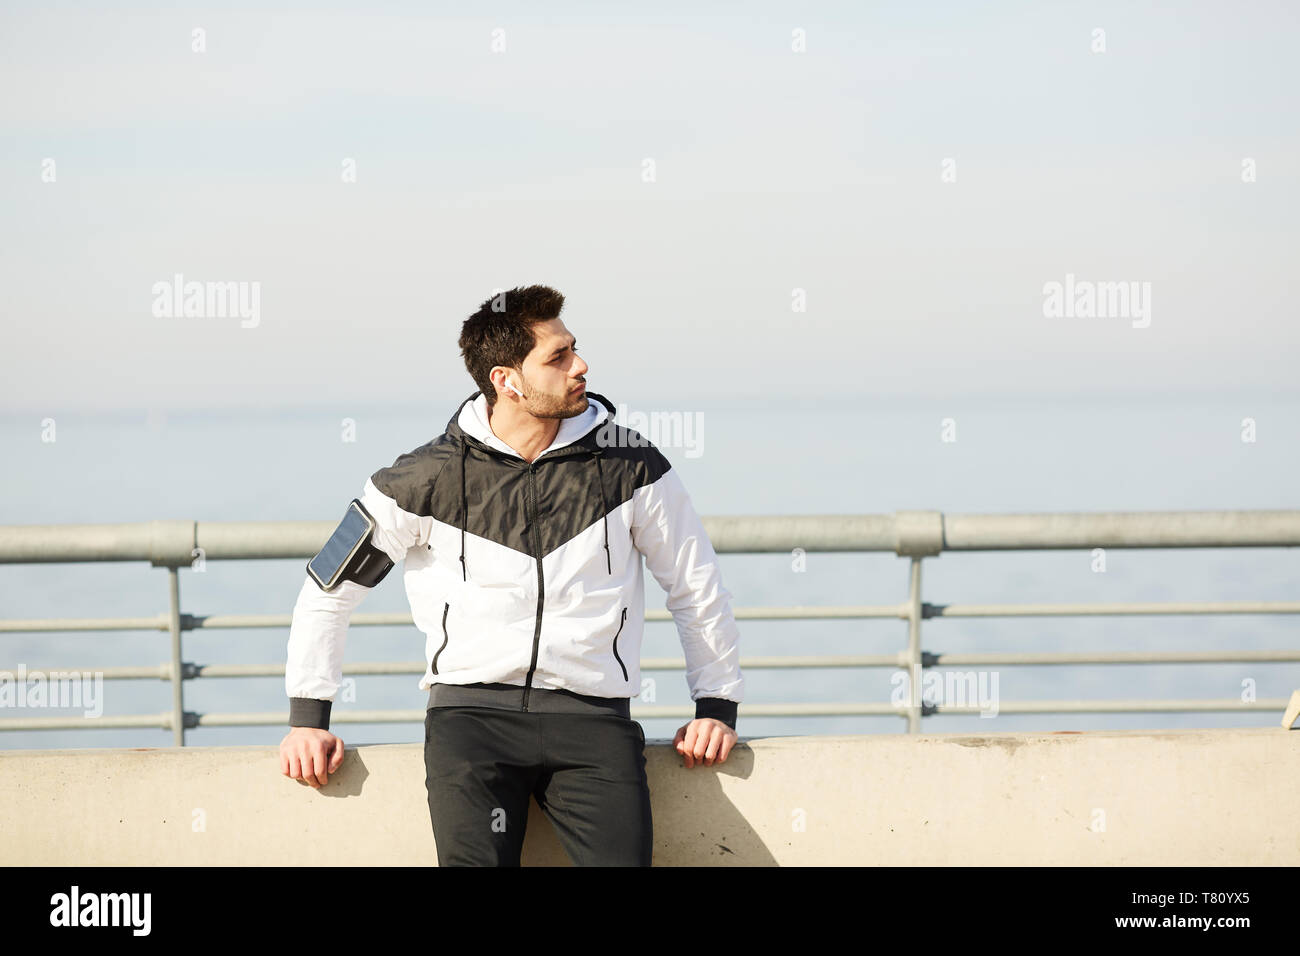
{"x": 515, "y": 390}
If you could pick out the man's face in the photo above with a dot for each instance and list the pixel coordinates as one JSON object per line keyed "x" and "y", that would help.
{"x": 553, "y": 375}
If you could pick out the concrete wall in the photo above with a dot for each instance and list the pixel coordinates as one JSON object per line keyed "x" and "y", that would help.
{"x": 1205, "y": 797}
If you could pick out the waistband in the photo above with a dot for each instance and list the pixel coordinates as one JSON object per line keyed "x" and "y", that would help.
{"x": 511, "y": 697}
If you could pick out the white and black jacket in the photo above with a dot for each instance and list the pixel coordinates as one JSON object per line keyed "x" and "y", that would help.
{"x": 529, "y": 574}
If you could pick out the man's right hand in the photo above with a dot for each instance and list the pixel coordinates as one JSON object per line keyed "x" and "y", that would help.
{"x": 310, "y": 755}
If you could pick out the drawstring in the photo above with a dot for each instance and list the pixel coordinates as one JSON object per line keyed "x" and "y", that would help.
{"x": 464, "y": 510}
{"x": 604, "y": 504}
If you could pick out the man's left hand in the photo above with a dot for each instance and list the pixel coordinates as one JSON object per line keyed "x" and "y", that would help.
{"x": 704, "y": 740}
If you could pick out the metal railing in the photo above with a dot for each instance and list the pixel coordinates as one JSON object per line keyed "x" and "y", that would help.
{"x": 915, "y": 535}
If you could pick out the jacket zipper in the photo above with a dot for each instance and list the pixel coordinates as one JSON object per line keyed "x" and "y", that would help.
{"x": 620, "y": 631}
{"x": 541, "y": 592}
{"x": 445, "y": 609}
{"x": 537, "y": 556}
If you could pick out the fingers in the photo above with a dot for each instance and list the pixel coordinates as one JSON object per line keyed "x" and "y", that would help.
{"x": 319, "y": 759}
{"x": 706, "y": 744}
{"x": 722, "y": 744}
{"x": 308, "y": 763}
{"x": 701, "y": 737}
{"x": 696, "y": 742}
{"x": 679, "y": 742}
{"x": 311, "y": 756}
{"x": 728, "y": 741}
{"x": 688, "y": 735}
{"x": 300, "y": 767}
{"x": 705, "y": 741}
{"x": 715, "y": 745}
{"x": 307, "y": 760}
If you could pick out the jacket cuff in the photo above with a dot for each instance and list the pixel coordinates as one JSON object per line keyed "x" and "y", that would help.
{"x": 307, "y": 712}
{"x": 718, "y": 708}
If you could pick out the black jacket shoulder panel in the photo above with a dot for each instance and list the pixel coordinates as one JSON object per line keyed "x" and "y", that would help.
{"x": 411, "y": 478}
{"x": 634, "y": 457}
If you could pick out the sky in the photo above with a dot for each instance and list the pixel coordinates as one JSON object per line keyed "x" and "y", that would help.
{"x": 823, "y": 229}
{"x": 770, "y": 200}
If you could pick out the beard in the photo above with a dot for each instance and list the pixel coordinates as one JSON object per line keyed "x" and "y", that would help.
{"x": 544, "y": 405}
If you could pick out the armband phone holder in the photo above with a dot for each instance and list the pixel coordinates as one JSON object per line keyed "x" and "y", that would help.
{"x": 349, "y": 555}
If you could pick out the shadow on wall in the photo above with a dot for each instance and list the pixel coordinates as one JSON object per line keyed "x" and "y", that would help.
{"x": 695, "y": 822}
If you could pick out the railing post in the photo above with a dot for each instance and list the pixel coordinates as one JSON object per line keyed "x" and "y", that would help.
{"x": 178, "y": 685}
{"x": 914, "y": 647}
{"x": 917, "y": 534}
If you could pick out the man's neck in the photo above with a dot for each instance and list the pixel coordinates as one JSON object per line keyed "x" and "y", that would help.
{"x": 528, "y": 435}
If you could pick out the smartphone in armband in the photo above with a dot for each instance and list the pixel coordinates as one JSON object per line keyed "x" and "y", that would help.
{"x": 349, "y": 555}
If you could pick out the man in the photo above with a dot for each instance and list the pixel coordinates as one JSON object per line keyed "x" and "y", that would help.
{"x": 522, "y": 528}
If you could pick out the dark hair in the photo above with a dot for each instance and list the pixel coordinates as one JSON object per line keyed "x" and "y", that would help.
{"x": 501, "y": 331}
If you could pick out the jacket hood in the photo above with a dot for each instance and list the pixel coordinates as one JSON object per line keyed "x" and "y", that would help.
{"x": 470, "y": 420}
{"x": 469, "y": 428}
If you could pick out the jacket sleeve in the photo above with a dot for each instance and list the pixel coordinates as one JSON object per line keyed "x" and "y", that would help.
{"x": 666, "y": 529}
{"x": 319, "y": 630}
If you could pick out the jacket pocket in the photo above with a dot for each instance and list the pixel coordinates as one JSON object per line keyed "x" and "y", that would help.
{"x": 622, "y": 619}
{"x": 445, "y": 609}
